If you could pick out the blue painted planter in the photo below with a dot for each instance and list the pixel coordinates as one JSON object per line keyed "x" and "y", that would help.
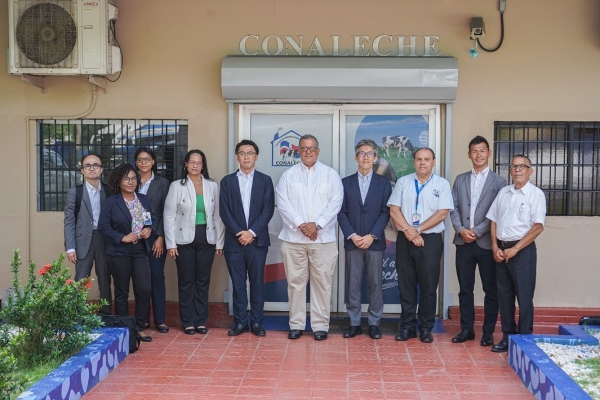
{"x": 80, "y": 373}
{"x": 544, "y": 379}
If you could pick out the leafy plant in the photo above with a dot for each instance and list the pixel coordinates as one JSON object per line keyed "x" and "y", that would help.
{"x": 10, "y": 381}
{"x": 50, "y": 316}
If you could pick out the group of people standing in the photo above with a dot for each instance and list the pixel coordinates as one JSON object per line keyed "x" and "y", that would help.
{"x": 129, "y": 231}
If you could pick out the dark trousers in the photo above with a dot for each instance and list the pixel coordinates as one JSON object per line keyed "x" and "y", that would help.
{"x": 468, "y": 256}
{"x": 194, "y": 265}
{"x": 96, "y": 257}
{"x": 158, "y": 294}
{"x": 517, "y": 279}
{"x": 133, "y": 266}
{"x": 250, "y": 263}
{"x": 418, "y": 265}
{"x": 357, "y": 260}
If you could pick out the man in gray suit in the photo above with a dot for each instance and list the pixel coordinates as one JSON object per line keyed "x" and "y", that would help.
{"x": 474, "y": 193}
{"x": 83, "y": 243}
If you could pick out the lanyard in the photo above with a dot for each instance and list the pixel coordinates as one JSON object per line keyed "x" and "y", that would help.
{"x": 419, "y": 189}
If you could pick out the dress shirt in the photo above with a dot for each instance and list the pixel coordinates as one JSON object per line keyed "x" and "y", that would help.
{"x": 144, "y": 187}
{"x": 245, "y": 182}
{"x": 363, "y": 182}
{"x": 516, "y": 211}
{"x": 434, "y": 195}
{"x": 309, "y": 195}
{"x": 477, "y": 182}
{"x": 94, "y": 194}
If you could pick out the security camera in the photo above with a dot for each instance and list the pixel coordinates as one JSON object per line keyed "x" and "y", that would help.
{"x": 477, "y": 28}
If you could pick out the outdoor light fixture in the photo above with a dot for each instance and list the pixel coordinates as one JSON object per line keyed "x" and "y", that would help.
{"x": 478, "y": 31}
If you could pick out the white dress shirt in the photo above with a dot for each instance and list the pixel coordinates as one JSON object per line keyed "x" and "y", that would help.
{"x": 364, "y": 181}
{"x": 434, "y": 195}
{"x": 145, "y": 186}
{"x": 516, "y": 211}
{"x": 245, "y": 182}
{"x": 309, "y": 195}
{"x": 477, "y": 182}
{"x": 94, "y": 194}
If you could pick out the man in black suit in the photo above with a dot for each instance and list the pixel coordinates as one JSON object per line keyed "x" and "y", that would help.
{"x": 83, "y": 243}
{"x": 246, "y": 205}
{"x": 363, "y": 218}
{"x": 473, "y": 193}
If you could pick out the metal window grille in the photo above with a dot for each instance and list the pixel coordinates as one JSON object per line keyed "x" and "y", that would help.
{"x": 565, "y": 157}
{"x": 62, "y": 144}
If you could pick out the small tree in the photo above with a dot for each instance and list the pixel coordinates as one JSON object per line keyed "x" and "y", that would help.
{"x": 50, "y": 314}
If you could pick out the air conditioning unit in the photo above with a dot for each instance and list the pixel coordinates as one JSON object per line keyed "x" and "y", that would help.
{"x": 62, "y": 37}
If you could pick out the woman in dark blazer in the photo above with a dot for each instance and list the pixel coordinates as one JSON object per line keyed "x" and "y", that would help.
{"x": 194, "y": 233}
{"x": 156, "y": 188}
{"x": 126, "y": 222}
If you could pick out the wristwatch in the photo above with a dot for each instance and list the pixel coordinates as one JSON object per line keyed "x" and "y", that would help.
{"x": 374, "y": 237}
{"x": 319, "y": 227}
{"x": 418, "y": 229}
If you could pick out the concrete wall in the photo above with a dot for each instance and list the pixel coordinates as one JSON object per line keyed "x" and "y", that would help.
{"x": 546, "y": 70}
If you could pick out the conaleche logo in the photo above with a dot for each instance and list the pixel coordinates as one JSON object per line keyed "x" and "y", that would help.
{"x": 285, "y": 149}
{"x": 90, "y": 3}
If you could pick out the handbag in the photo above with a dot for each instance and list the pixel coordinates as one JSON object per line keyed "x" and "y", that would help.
{"x": 115, "y": 321}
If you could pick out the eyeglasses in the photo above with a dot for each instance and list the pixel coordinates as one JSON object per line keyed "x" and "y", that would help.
{"x": 246, "y": 153}
{"x": 305, "y": 149}
{"x": 195, "y": 163}
{"x": 92, "y": 166}
{"x": 130, "y": 179}
{"x": 519, "y": 167}
{"x": 369, "y": 154}
{"x": 144, "y": 160}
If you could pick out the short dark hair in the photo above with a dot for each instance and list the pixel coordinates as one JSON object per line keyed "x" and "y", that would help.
{"x": 366, "y": 142}
{"x": 91, "y": 153}
{"x": 120, "y": 172}
{"x": 148, "y": 150}
{"x": 423, "y": 148}
{"x": 308, "y": 136}
{"x": 478, "y": 140}
{"x": 246, "y": 142}
{"x": 522, "y": 156}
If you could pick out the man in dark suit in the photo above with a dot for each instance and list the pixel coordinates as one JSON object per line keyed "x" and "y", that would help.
{"x": 246, "y": 205}
{"x": 473, "y": 193}
{"x": 83, "y": 243}
{"x": 363, "y": 218}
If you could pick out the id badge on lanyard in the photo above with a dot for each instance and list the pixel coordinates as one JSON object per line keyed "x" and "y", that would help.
{"x": 416, "y": 217}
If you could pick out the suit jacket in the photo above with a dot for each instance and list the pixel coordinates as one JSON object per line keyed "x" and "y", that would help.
{"x": 115, "y": 223}
{"x": 368, "y": 218}
{"x": 79, "y": 228}
{"x": 231, "y": 209}
{"x": 461, "y": 192}
{"x": 157, "y": 194}
{"x": 179, "y": 216}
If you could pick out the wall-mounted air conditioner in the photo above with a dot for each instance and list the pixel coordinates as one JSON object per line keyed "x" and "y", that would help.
{"x": 62, "y": 37}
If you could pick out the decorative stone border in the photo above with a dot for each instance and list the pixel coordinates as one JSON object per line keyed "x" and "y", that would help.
{"x": 544, "y": 379}
{"x": 80, "y": 373}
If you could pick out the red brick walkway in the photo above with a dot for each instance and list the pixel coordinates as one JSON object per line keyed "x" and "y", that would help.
{"x": 215, "y": 366}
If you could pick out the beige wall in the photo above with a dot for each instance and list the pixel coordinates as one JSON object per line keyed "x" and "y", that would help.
{"x": 547, "y": 69}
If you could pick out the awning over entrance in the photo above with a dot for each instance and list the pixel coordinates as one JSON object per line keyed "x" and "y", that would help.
{"x": 339, "y": 79}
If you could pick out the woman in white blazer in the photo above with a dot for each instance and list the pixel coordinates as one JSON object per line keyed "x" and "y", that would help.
{"x": 194, "y": 233}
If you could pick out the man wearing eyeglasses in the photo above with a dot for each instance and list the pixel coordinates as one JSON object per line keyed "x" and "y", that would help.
{"x": 363, "y": 218}
{"x": 517, "y": 214}
{"x": 83, "y": 243}
{"x": 309, "y": 197}
{"x": 473, "y": 193}
{"x": 246, "y": 205}
{"x": 419, "y": 205}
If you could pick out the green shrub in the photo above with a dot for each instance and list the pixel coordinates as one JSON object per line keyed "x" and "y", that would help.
{"x": 50, "y": 315}
{"x": 10, "y": 382}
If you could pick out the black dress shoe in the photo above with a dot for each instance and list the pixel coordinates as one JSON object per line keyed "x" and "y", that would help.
{"x": 501, "y": 347}
{"x": 426, "y": 336}
{"x": 374, "y": 332}
{"x": 405, "y": 334}
{"x": 258, "y": 330}
{"x": 463, "y": 336}
{"x": 145, "y": 338}
{"x": 353, "y": 331}
{"x": 294, "y": 334}
{"x": 320, "y": 335}
{"x": 238, "y": 329}
{"x": 189, "y": 331}
{"x": 202, "y": 330}
{"x": 162, "y": 328}
{"x": 487, "y": 339}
